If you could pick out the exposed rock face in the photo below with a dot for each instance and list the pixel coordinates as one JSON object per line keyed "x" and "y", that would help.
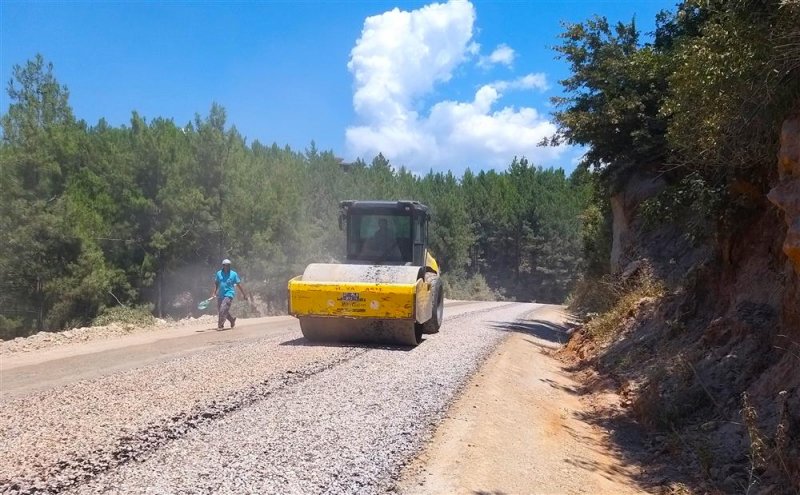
{"x": 620, "y": 230}
{"x": 729, "y": 325}
{"x": 623, "y": 207}
{"x": 786, "y": 195}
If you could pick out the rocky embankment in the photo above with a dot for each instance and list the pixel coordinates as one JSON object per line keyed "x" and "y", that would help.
{"x": 786, "y": 195}
{"x": 710, "y": 370}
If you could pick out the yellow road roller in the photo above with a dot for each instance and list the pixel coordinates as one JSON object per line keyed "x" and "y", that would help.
{"x": 387, "y": 292}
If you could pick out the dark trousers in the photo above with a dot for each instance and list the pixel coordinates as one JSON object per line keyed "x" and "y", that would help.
{"x": 224, "y": 307}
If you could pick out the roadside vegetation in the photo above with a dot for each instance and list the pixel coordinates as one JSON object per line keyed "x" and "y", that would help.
{"x": 699, "y": 104}
{"x": 623, "y": 299}
{"x": 141, "y": 316}
{"x": 690, "y": 301}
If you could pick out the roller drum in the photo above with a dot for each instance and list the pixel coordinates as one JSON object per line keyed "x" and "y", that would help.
{"x": 376, "y": 331}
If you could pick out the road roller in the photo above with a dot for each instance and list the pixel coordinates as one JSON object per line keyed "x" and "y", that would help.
{"x": 388, "y": 290}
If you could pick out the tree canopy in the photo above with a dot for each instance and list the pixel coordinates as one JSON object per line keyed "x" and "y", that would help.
{"x": 704, "y": 93}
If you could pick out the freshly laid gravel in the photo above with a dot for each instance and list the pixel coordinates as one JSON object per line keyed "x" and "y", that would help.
{"x": 349, "y": 429}
{"x": 267, "y": 416}
{"x": 54, "y": 438}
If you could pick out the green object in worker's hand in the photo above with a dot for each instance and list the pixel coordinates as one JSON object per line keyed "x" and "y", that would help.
{"x": 204, "y": 304}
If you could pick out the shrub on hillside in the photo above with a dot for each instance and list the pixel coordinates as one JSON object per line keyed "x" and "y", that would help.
{"x": 591, "y": 295}
{"x": 10, "y": 327}
{"x": 469, "y": 288}
{"x": 138, "y": 316}
{"x": 614, "y": 300}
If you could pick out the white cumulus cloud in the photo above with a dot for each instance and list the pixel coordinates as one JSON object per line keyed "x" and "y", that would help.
{"x": 503, "y": 54}
{"x": 530, "y": 81}
{"x": 399, "y": 59}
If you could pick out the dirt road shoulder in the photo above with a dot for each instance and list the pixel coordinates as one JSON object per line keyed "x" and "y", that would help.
{"x": 517, "y": 428}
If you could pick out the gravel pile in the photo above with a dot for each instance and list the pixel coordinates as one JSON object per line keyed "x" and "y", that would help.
{"x": 45, "y": 340}
{"x": 349, "y": 429}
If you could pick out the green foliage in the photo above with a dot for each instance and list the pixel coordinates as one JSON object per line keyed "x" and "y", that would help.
{"x": 700, "y": 104}
{"x": 732, "y": 85}
{"x": 707, "y": 93}
{"x": 596, "y": 228}
{"x": 527, "y": 223}
{"x": 693, "y": 203}
{"x": 100, "y": 216}
{"x": 10, "y": 327}
{"x": 613, "y": 96}
{"x": 81, "y": 290}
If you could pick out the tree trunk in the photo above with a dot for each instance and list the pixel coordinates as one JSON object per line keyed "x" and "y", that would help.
{"x": 39, "y": 305}
{"x": 160, "y": 303}
{"x": 517, "y": 253}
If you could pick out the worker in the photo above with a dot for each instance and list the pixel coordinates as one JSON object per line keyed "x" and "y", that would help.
{"x": 382, "y": 245}
{"x": 225, "y": 283}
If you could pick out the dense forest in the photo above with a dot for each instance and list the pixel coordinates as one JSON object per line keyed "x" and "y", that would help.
{"x": 97, "y": 217}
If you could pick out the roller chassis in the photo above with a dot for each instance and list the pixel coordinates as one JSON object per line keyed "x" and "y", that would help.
{"x": 393, "y": 301}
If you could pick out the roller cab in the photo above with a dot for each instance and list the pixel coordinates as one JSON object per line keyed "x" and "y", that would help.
{"x": 389, "y": 290}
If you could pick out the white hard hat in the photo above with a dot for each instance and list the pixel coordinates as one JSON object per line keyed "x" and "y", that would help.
{"x": 226, "y": 261}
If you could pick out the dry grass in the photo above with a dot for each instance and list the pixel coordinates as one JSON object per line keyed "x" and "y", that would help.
{"x": 469, "y": 288}
{"x": 630, "y": 295}
{"x": 765, "y": 451}
{"x": 591, "y": 295}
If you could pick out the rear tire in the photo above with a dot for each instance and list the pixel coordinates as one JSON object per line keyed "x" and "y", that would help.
{"x": 437, "y": 311}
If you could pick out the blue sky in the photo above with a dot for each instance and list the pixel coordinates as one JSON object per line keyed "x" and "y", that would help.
{"x": 441, "y": 86}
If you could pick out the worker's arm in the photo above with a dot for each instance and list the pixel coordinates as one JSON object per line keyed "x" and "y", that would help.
{"x": 238, "y": 285}
{"x": 244, "y": 293}
{"x": 216, "y": 288}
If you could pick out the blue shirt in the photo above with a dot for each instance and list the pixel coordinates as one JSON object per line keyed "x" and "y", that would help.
{"x": 226, "y": 283}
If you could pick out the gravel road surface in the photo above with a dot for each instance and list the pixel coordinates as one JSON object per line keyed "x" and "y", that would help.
{"x": 255, "y": 409}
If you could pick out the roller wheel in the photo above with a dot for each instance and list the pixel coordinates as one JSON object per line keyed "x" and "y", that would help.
{"x": 433, "y": 325}
{"x": 312, "y": 332}
{"x": 375, "y": 331}
{"x": 418, "y": 331}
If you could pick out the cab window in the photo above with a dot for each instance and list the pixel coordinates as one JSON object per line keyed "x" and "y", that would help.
{"x": 379, "y": 238}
